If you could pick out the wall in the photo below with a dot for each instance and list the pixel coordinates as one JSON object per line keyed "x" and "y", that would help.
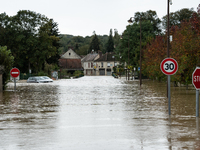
{"x": 70, "y": 54}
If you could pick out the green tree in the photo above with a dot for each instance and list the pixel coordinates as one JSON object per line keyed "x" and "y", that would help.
{"x": 110, "y": 43}
{"x": 177, "y": 17}
{"x": 185, "y": 48}
{"x": 94, "y": 45}
{"x": 7, "y": 60}
{"x": 32, "y": 38}
{"x": 129, "y": 46}
{"x": 149, "y": 16}
{"x": 116, "y": 38}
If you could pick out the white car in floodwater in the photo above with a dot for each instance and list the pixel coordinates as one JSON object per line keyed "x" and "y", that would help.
{"x": 39, "y": 79}
{"x": 47, "y": 78}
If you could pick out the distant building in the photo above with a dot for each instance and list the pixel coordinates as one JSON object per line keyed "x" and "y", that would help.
{"x": 88, "y": 62}
{"x": 70, "y": 61}
{"x": 104, "y": 65}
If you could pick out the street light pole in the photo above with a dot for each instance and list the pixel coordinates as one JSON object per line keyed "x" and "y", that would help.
{"x": 168, "y": 44}
{"x": 168, "y": 28}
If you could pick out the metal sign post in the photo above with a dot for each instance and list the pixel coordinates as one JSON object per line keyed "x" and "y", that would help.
{"x": 169, "y": 66}
{"x": 197, "y": 103}
{"x": 15, "y": 84}
{"x": 196, "y": 83}
{"x": 169, "y": 95}
{"x": 14, "y": 72}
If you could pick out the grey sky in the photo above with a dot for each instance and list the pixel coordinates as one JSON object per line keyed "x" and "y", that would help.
{"x": 82, "y": 17}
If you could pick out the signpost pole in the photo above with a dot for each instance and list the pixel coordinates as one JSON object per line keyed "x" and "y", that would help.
{"x": 169, "y": 66}
{"x": 169, "y": 95}
{"x": 15, "y": 84}
{"x": 14, "y": 72}
{"x": 197, "y": 103}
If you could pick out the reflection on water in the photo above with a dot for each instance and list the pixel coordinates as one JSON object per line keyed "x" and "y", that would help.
{"x": 97, "y": 113}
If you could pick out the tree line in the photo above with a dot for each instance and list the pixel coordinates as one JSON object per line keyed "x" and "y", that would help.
{"x": 32, "y": 38}
{"x": 33, "y": 42}
{"x": 185, "y": 48}
{"x": 84, "y": 45}
{"x": 184, "y": 28}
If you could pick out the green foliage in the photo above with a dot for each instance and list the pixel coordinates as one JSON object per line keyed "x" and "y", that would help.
{"x": 32, "y": 38}
{"x": 7, "y": 60}
{"x": 81, "y": 44}
{"x": 149, "y": 16}
{"x": 42, "y": 73}
{"x": 177, "y": 17}
{"x": 129, "y": 46}
{"x": 78, "y": 74}
{"x": 95, "y": 44}
{"x": 116, "y": 38}
{"x": 185, "y": 48}
{"x": 110, "y": 43}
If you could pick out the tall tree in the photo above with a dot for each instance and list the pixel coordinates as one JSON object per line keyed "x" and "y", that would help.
{"x": 177, "y": 17}
{"x": 32, "y": 38}
{"x": 116, "y": 38}
{"x": 185, "y": 48}
{"x": 149, "y": 16}
{"x": 110, "y": 43}
{"x": 129, "y": 46}
{"x": 7, "y": 60}
{"x": 94, "y": 45}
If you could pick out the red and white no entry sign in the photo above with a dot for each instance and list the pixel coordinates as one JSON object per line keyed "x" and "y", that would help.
{"x": 14, "y": 72}
{"x": 169, "y": 66}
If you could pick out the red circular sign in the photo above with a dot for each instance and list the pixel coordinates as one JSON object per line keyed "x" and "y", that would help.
{"x": 169, "y": 66}
{"x": 196, "y": 78}
{"x": 14, "y": 72}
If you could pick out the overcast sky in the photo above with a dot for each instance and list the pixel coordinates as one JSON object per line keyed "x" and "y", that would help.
{"x": 82, "y": 17}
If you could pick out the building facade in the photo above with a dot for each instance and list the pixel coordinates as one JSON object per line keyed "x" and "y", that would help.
{"x": 104, "y": 65}
{"x": 88, "y": 63}
{"x": 70, "y": 61}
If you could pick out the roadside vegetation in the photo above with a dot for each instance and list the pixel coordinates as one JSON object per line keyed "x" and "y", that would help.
{"x": 32, "y": 43}
{"x": 6, "y": 60}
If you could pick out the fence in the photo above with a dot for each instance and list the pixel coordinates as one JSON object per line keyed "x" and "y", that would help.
{"x": 24, "y": 76}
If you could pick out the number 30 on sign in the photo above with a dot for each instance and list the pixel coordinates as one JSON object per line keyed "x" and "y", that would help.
{"x": 169, "y": 66}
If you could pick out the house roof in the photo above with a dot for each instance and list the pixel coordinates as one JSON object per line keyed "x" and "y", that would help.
{"x": 70, "y": 64}
{"x": 70, "y": 54}
{"x": 90, "y": 57}
{"x": 107, "y": 57}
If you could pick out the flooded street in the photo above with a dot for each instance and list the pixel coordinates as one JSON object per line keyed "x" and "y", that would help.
{"x": 97, "y": 113}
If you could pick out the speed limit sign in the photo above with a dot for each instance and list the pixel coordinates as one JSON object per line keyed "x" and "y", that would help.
{"x": 169, "y": 66}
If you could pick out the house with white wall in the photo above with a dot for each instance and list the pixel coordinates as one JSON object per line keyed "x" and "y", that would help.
{"x": 104, "y": 65}
{"x": 88, "y": 63}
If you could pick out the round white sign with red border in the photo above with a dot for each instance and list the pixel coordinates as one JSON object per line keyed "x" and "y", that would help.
{"x": 169, "y": 66}
{"x": 14, "y": 72}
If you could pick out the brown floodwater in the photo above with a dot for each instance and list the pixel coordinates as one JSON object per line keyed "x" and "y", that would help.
{"x": 101, "y": 113}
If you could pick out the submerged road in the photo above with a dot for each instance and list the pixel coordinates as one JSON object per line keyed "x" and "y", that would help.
{"x": 97, "y": 113}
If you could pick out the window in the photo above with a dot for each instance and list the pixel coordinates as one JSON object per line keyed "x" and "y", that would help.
{"x": 102, "y": 64}
{"x": 108, "y": 64}
{"x": 91, "y": 65}
{"x": 88, "y": 65}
